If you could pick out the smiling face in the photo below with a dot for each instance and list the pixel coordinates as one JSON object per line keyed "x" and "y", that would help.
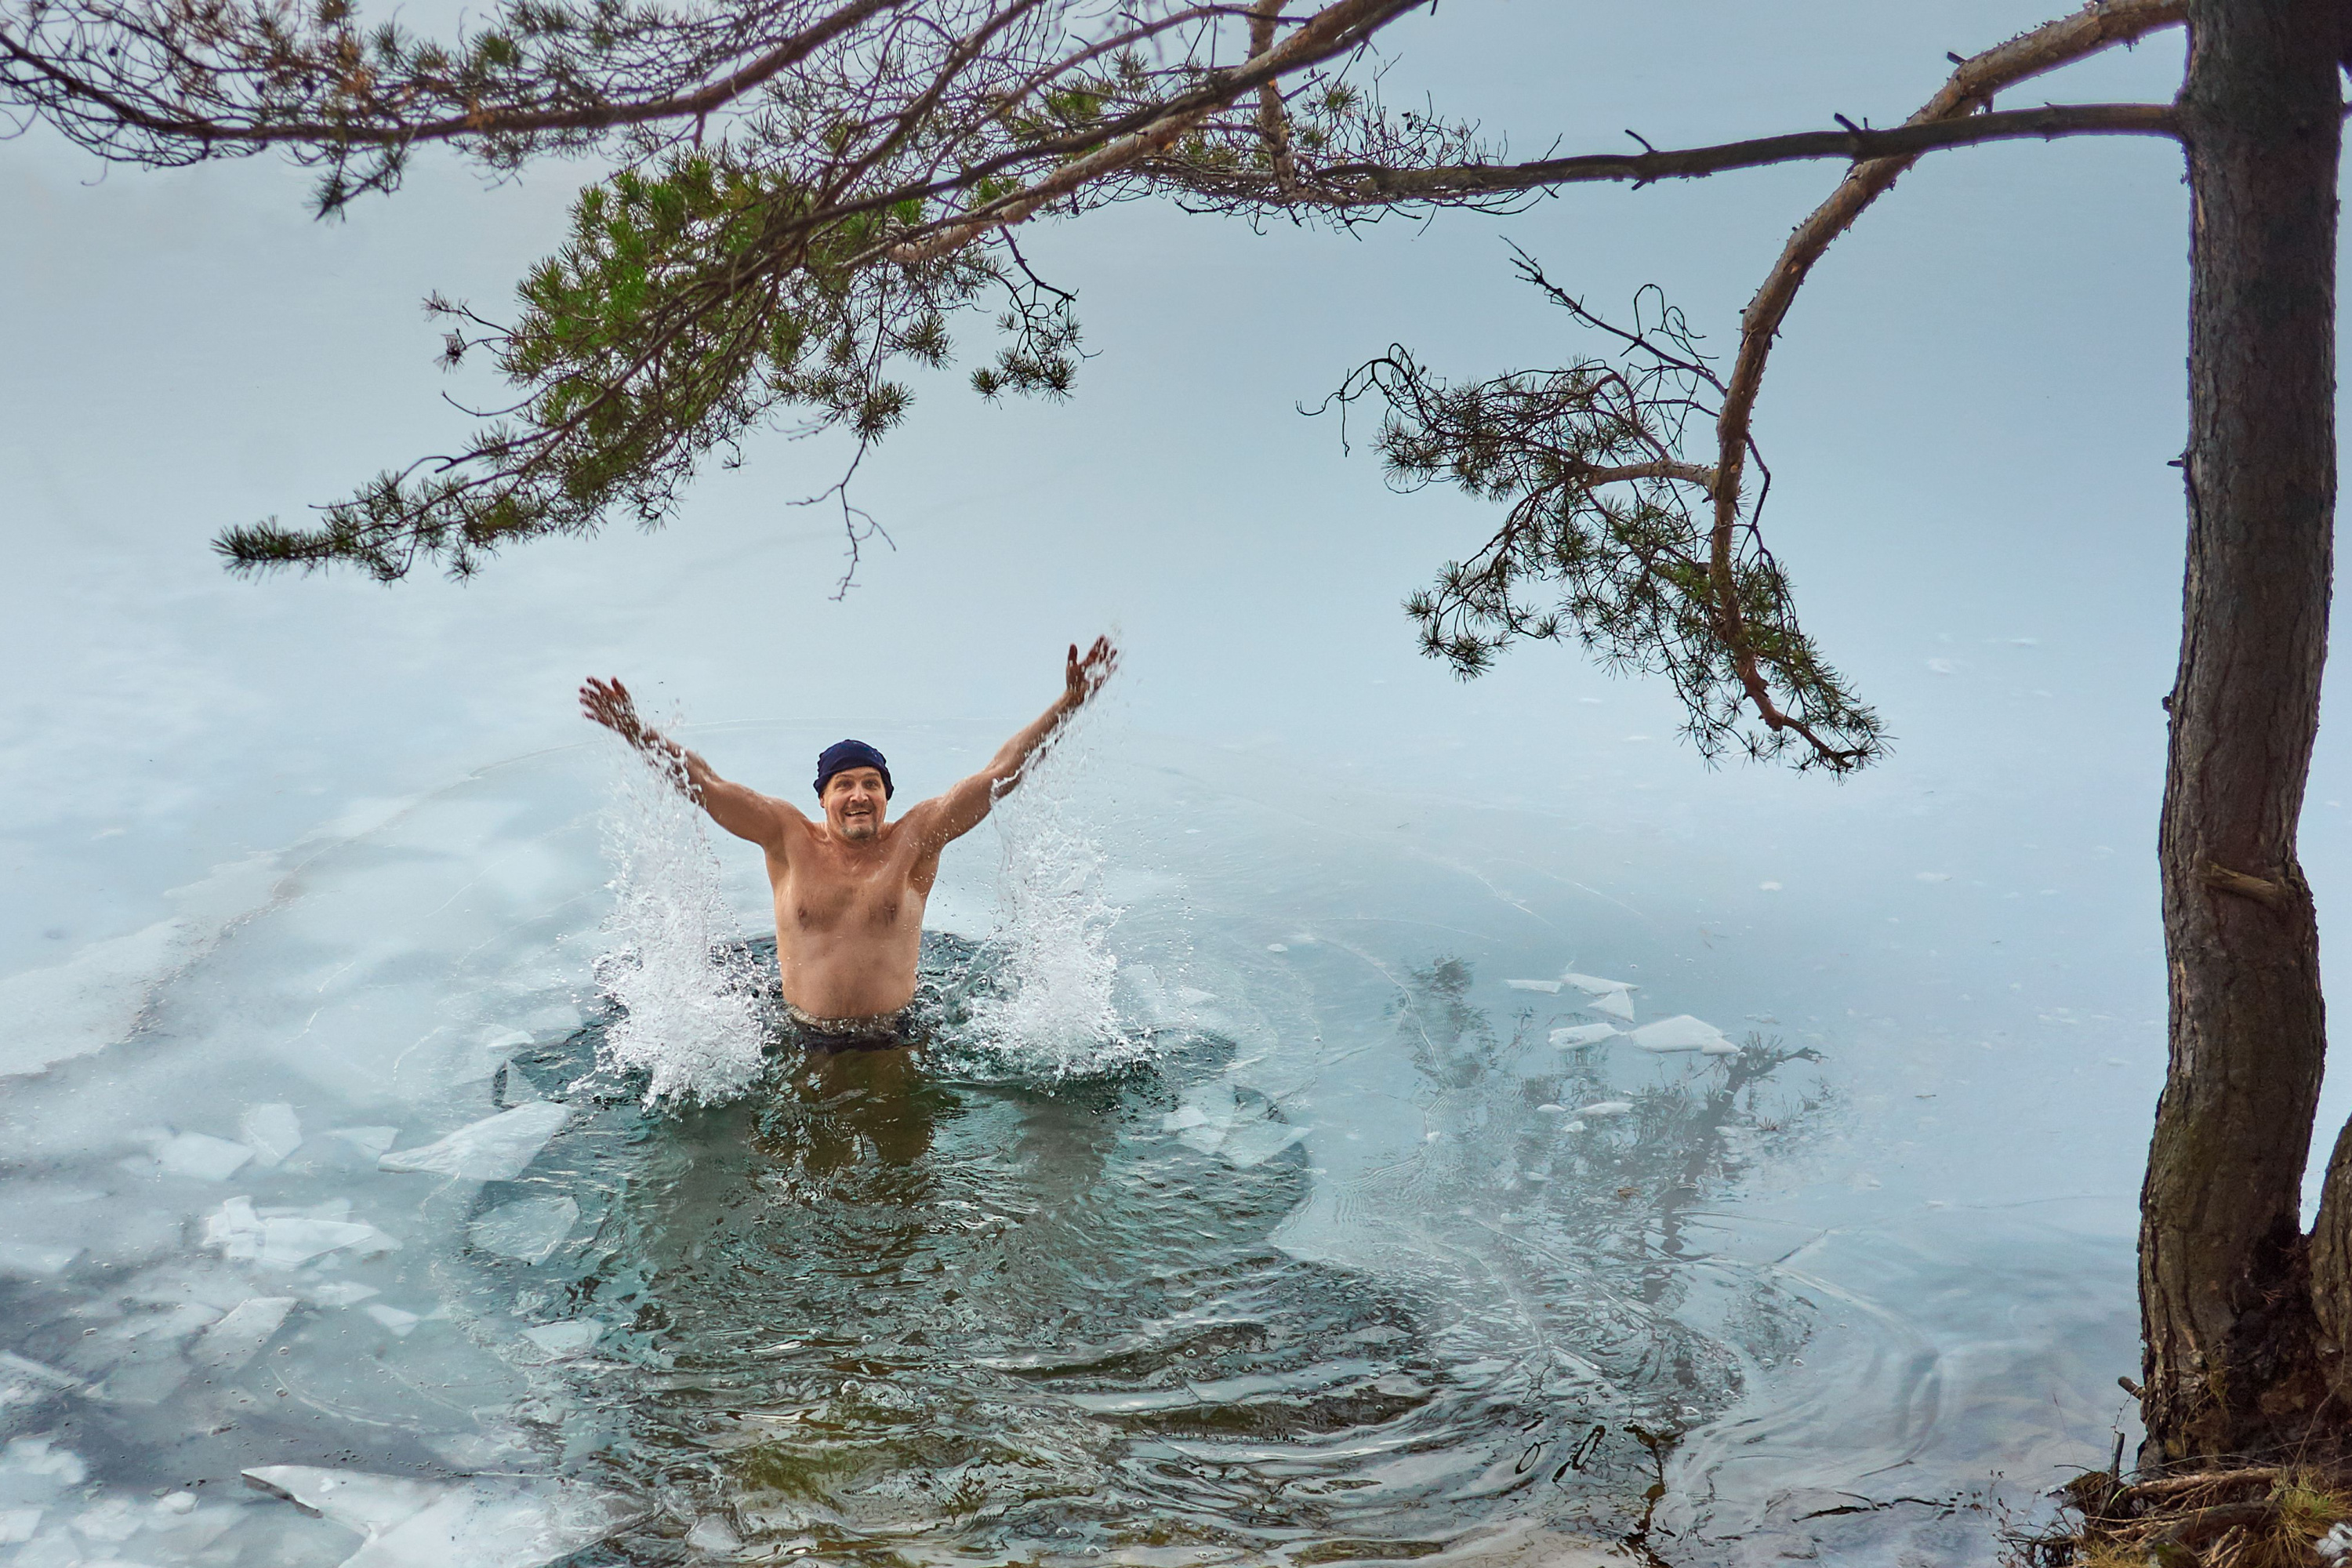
{"x": 855, "y": 801}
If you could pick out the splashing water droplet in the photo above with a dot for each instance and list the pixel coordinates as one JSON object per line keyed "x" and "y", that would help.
{"x": 691, "y": 998}
{"x": 1048, "y": 1013}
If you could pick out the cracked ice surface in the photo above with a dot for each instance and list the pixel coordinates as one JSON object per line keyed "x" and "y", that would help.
{"x": 495, "y": 1149}
{"x": 476, "y": 1522}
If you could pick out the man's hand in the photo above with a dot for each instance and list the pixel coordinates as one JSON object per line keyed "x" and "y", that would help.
{"x": 608, "y": 702}
{"x": 1084, "y": 676}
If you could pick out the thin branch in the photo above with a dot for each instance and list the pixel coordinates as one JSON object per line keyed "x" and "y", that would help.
{"x": 1954, "y": 108}
{"x": 1903, "y": 144}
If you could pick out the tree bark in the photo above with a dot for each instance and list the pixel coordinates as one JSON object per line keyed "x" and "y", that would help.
{"x": 2234, "y": 1354}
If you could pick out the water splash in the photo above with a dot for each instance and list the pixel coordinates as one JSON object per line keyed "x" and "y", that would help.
{"x": 1048, "y": 1012}
{"x": 690, "y": 996}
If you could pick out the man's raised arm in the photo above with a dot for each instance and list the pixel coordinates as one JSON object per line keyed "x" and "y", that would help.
{"x": 960, "y": 810}
{"x": 741, "y": 811}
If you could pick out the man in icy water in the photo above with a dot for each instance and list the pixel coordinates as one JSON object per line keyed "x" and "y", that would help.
{"x": 850, "y": 888}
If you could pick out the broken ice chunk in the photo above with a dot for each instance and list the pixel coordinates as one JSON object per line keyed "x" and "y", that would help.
{"x": 17, "y": 1524}
{"x": 479, "y": 1523}
{"x": 273, "y": 1131}
{"x": 711, "y": 1533}
{"x": 1582, "y": 1034}
{"x": 528, "y": 1229}
{"x": 1593, "y": 985}
{"x": 342, "y": 1293}
{"x": 202, "y": 1157}
{"x": 1610, "y": 1004}
{"x": 367, "y": 1139}
{"x": 238, "y": 1337}
{"x": 398, "y": 1320}
{"x": 1549, "y": 987}
{"x": 1726, "y": 1047}
{"x": 1680, "y": 1033}
{"x": 495, "y": 1149}
{"x": 1258, "y": 1141}
{"x": 352, "y": 1498}
{"x": 567, "y": 1338}
{"x": 1607, "y": 1108}
{"x": 284, "y": 1241}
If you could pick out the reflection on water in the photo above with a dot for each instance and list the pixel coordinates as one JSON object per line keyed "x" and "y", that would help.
{"x": 880, "y": 1315}
{"x": 1340, "y": 1249}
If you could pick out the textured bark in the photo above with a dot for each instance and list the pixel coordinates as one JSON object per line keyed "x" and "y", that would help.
{"x": 2233, "y": 1356}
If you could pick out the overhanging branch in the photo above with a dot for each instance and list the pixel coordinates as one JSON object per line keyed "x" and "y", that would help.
{"x": 1906, "y": 142}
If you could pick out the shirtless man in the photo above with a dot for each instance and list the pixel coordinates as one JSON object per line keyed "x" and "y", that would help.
{"x": 850, "y": 888}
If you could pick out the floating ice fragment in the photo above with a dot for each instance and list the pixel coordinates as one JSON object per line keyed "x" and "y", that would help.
{"x": 1679, "y": 1033}
{"x": 1549, "y": 1109}
{"x": 17, "y": 1524}
{"x": 479, "y": 1523}
{"x": 238, "y": 1337}
{"x": 1611, "y": 1003}
{"x": 202, "y": 1157}
{"x": 1726, "y": 1047}
{"x": 273, "y": 1131}
{"x": 1768, "y": 887}
{"x": 1277, "y": 947}
{"x": 1257, "y": 1142}
{"x": 566, "y": 1339}
{"x": 495, "y": 1149}
{"x": 1571, "y": 1127}
{"x": 367, "y": 1139}
{"x": 284, "y": 1241}
{"x": 342, "y": 1293}
{"x": 398, "y": 1320}
{"x": 352, "y": 1498}
{"x": 1607, "y": 1108}
{"x": 1582, "y": 1034}
{"x": 713, "y": 1534}
{"x": 528, "y": 1229}
{"x": 1549, "y": 987}
{"x": 1593, "y": 985}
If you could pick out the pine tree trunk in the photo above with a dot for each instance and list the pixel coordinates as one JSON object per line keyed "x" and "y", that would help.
{"x": 2234, "y": 1354}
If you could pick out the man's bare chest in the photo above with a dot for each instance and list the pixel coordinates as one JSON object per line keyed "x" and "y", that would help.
{"x": 818, "y": 899}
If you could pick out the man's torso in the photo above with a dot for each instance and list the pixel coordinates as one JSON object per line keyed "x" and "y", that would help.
{"x": 849, "y": 920}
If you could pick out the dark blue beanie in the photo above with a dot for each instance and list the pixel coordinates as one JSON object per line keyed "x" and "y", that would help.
{"x": 842, "y": 755}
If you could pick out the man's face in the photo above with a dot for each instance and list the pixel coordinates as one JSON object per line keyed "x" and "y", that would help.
{"x": 854, "y": 803}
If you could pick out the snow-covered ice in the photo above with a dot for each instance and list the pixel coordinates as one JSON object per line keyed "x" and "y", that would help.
{"x": 494, "y": 1148}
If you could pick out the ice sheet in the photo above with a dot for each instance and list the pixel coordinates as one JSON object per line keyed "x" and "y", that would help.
{"x": 273, "y": 1131}
{"x": 494, "y": 1148}
{"x": 200, "y": 1156}
{"x": 238, "y": 1337}
{"x": 1610, "y": 1004}
{"x": 1593, "y": 985}
{"x": 477, "y": 1522}
{"x": 528, "y": 1229}
{"x": 282, "y": 1241}
{"x": 1681, "y": 1032}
